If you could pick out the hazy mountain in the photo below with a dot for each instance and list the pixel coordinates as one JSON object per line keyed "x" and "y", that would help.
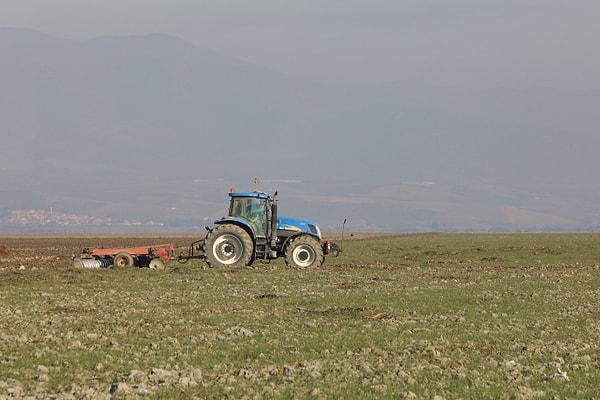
{"x": 150, "y": 128}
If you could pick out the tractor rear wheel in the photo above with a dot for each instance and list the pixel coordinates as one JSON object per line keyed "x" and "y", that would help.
{"x": 228, "y": 245}
{"x": 304, "y": 252}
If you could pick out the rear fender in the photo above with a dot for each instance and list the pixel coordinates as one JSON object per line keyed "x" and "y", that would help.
{"x": 242, "y": 223}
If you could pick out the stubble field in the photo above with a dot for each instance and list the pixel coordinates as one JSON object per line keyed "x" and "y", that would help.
{"x": 433, "y": 316}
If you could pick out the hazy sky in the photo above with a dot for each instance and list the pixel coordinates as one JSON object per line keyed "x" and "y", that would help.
{"x": 484, "y": 43}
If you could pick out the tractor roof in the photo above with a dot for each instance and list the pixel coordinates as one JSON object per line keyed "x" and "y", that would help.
{"x": 259, "y": 195}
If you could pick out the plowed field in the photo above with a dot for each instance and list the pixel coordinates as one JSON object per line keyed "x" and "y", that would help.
{"x": 57, "y": 251}
{"x": 432, "y": 316}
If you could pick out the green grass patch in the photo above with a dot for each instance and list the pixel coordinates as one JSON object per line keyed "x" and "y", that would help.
{"x": 454, "y": 315}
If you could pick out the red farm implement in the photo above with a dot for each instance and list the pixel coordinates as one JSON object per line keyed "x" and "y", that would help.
{"x": 154, "y": 256}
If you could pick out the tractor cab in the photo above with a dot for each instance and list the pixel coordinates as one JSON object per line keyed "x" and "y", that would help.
{"x": 253, "y": 207}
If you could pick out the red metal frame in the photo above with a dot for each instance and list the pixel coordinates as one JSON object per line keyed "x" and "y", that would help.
{"x": 165, "y": 250}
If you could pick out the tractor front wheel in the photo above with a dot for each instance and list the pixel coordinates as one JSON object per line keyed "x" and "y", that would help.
{"x": 228, "y": 245}
{"x": 304, "y": 252}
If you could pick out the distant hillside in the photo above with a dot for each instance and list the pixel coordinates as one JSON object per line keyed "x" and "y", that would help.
{"x": 151, "y": 128}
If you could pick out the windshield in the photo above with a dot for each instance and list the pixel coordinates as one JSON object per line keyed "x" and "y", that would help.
{"x": 252, "y": 209}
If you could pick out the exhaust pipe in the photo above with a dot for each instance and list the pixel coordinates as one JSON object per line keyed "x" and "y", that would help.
{"x": 274, "y": 222}
{"x": 343, "y": 228}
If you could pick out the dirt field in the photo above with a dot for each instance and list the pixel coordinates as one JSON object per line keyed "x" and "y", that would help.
{"x": 57, "y": 251}
{"x": 395, "y": 316}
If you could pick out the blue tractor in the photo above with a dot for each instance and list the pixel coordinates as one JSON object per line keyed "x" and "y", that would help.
{"x": 254, "y": 232}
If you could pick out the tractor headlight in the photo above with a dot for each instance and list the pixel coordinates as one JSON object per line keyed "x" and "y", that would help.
{"x": 314, "y": 229}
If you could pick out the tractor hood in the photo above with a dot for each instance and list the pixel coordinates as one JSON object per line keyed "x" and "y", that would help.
{"x": 298, "y": 225}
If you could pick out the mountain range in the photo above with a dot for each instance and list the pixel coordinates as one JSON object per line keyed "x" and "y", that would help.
{"x": 155, "y": 130}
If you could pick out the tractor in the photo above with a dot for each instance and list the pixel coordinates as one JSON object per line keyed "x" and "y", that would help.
{"x": 253, "y": 231}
